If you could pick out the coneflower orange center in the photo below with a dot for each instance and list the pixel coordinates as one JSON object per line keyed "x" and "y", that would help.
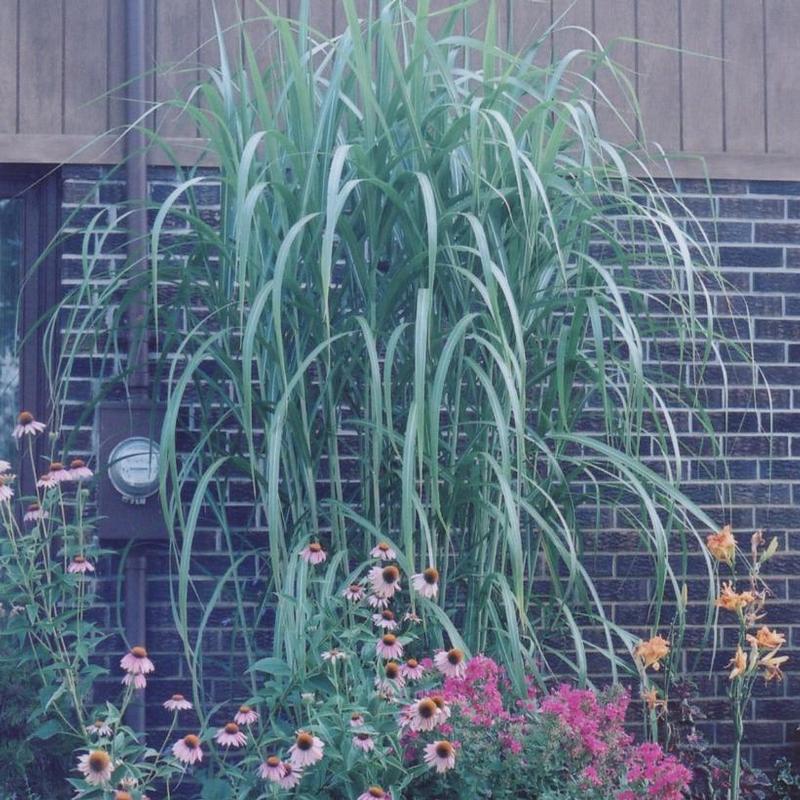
{"x": 389, "y": 639}
{"x": 122, "y": 796}
{"x": 244, "y": 709}
{"x": 231, "y": 727}
{"x": 376, "y": 791}
{"x": 392, "y": 670}
{"x": 25, "y": 418}
{"x": 305, "y": 741}
{"x": 362, "y": 736}
{"x": 56, "y": 466}
{"x": 138, "y": 652}
{"x": 426, "y": 708}
{"x": 77, "y": 463}
{"x": 99, "y": 761}
{"x": 387, "y": 615}
{"x": 431, "y": 575}
{"x": 390, "y": 574}
{"x": 315, "y": 547}
{"x": 412, "y": 663}
{"x": 444, "y": 749}
{"x": 178, "y": 697}
{"x": 438, "y": 700}
{"x": 191, "y": 741}
{"x": 455, "y": 656}
{"x": 273, "y": 761}
{"x": 79, "y": 559}
{"x": 355, "y": 588}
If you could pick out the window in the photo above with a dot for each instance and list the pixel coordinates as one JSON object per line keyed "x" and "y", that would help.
{"x": 29, "y": 210}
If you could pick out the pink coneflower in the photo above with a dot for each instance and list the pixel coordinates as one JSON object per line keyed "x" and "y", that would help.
{"x": 27, "y": 425}
{"x": 444, "y": 709}
{"x": 441, "y": 755}
{"x": 80, "y": 564}
{"x": 313, "y": 553}
{"x": 375, "y": 793}
{"x": 6, "y": 492}
{"x": 354, "y": 592}
{"x": 46, "y": 481}
{"x": 230, "y": 736}
{"x": 422, "y": 715}
{"x": 245, "y": 716}
{"x": 377, "y": 602}
{"x": 177, "y": 703}
{"x": 383, "y": 551}
{"x": 410, "y": 616}
{"x": 4, "y": 465}
{"x": 392, "y": 678}
{"x": 99, "y": 728}
{"x": 57, "y": 473}
{"x": 188, "y": 749}
{"x": 333, "y": 655}
{"x": 427, "y": 582}
{"x": 388, "y": 647}
{"x": 137, "y": 680}
{"x": 78, "y": 471}
{"x": 306, "y": 750}
{"x": 271, "y": 769}
{"x": 34, "y": 513}
{"x": 412, "y": 670}
{"x": 136, "y": 661}
{"x": 385, "y": 580}
{"x": 356, "y": 720}
{"x": 385, "y": 619}
{"x": 451, "y": 663}
{"x": 363, "y": 741}
{"x": 96, "y": 767}
{"x": 291, "y": 775}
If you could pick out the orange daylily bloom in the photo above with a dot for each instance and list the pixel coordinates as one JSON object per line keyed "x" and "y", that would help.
{"x": 722, "y": 545}
{"x": 766, "y": 639}
{"x": 739, "y": 664}
{"x": 650, "y": 696}
{"x": 772, "y": 666}
{"x": 651, "y": 652}
{"x": 731, "y": 600}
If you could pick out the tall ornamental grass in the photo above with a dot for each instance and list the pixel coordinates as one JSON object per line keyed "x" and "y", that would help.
{"x": 421, "y": 318}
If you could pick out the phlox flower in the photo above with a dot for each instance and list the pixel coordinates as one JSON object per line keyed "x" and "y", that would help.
{"x": 426, "y": 582}
{"x": 230, "y": 736}
{"x": 388, "y": 647}
{"x": 451, "y": 663}
{"x": 313, "y": 553}
{"x": 188, "y": 749}
{"x": 441, "y": 755}
{"x": 383, "y": 551}
{"x": 306, "y": 750}
{"x": 385, "y": 580}
{"x": 177, "y": 703}
{"x": 245, "y": 716}
{"x": 271, "y": 769}
{"x": 96, "y": 767}
{"x": 27, "y": 425}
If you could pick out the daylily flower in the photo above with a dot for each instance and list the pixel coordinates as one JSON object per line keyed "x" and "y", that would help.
{"x": 651, "y": 652}
{"x": 722, "y": 545}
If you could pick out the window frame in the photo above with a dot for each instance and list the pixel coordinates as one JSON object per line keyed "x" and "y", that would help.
{"x": 39, "y": 188}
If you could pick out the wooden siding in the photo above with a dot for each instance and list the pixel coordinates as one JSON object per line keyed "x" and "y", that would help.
{"x": 722, "y": 78}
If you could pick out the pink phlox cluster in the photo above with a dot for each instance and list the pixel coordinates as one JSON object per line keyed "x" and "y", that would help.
{"x": 663, "y": 776}
{"x": 478, "y": 693}
{"x": 594, "y": 725}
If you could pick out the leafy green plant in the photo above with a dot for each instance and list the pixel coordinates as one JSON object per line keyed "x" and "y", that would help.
{"x": 422, "y": 316}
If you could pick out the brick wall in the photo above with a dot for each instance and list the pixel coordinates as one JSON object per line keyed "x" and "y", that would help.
{"x": 757, "y": 227}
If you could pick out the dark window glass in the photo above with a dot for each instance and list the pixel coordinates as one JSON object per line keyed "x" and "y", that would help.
{"x": 11, "y": 211}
